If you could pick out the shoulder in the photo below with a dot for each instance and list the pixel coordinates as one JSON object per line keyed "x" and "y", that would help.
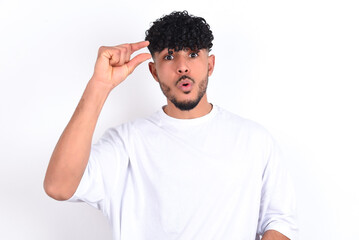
{"x": 235, "y": 121}
{"x": 130, "y": 129}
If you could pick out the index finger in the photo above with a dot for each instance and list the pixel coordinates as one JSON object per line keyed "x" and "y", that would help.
{"x": 139, "y": 45}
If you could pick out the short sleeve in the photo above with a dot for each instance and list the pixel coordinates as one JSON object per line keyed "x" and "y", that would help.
{"x": 278, "y": 207}
{"x": 108, "y": 161}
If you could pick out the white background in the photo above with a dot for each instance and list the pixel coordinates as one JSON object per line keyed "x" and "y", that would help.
{"x": 290, "y": 65}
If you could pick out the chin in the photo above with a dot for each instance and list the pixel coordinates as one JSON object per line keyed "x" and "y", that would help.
{"x": 186, "y": 105}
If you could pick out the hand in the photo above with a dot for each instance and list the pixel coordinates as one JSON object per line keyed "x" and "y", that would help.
{"x": 113, "y": 64}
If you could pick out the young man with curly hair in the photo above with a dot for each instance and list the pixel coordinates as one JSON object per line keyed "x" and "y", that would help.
{"x": 192, "y": 170}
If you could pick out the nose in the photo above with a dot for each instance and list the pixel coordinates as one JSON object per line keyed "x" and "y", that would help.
{"x": 182, "y": 70}
{"x": 182, "y": 67}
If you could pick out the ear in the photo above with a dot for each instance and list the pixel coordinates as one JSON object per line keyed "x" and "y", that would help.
{"x": 152, "y": 67}
{"x": 211, "y": 62}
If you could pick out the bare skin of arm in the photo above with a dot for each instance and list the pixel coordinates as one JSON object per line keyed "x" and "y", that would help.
{"x": 70, "y": 156}
{"x": 274, "y": 235}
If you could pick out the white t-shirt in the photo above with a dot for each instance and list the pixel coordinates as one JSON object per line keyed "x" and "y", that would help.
{"x": 214, "y": 177}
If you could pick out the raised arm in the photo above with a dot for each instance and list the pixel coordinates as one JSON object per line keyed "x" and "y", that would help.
{"x": 71, "y": 154}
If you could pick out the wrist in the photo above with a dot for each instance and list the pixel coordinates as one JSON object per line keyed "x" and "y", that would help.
{"x": 94, "y": 97}
{"x": 100, "y": 86}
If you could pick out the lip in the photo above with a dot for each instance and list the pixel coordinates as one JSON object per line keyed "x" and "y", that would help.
{"x": 185, "y": 85}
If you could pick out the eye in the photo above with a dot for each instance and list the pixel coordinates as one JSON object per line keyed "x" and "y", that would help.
{"x": 168, "y": 57}
{"x": 193, "y": 55}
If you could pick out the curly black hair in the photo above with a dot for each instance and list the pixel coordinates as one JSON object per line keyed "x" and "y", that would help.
{"x": 179, "y": 31}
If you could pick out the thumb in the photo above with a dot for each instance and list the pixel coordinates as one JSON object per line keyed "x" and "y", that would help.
{"x": 134, "y": 62}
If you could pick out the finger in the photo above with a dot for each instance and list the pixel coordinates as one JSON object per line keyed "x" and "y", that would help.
{"x": 118, "y": 55}
{"x": 115, "y": 57}
{"x": 139, "y": 45}
{"x": 140, "y": 58}
{"x": 132, "y": 47}
{"x": 124, "y": 55}
{"x": 128, "y": 54}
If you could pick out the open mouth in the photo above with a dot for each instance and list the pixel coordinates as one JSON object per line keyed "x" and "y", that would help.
{"x": 185, "y": 85}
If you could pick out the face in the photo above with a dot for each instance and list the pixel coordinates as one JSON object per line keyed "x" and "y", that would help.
{"x": 183, "y": 75}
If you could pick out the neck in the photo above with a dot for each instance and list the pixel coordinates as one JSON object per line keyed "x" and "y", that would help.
{"x": 203, "y": 108}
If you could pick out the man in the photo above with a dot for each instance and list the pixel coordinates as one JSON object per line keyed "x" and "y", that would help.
{"x": 190, "y": 171}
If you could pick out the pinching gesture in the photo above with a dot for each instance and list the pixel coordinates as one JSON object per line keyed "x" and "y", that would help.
{"x": 114, "y": 64}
